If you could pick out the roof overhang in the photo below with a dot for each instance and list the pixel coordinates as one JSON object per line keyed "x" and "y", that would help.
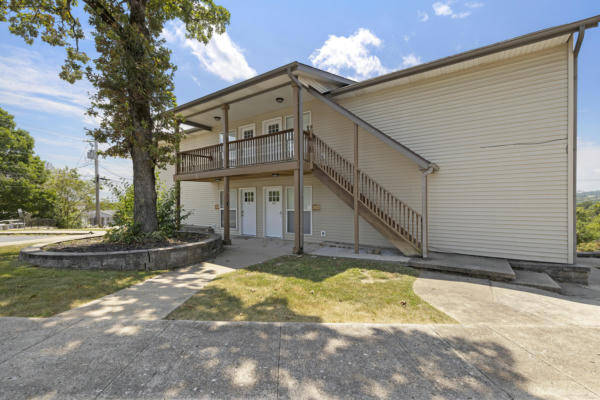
{"x": 196, "y": 112}
{"x": 520, "y": 45}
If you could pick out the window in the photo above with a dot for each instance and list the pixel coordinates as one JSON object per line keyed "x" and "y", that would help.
{"x": 272, "y": 126}
{"x": 306, "y": 121}
{"x": 231, "y": 137}
{"x": 247, "y": 131}
{"x": 306, "y": 212}
{"x": 273, "y": 196}
{"x": 249, "y": 197}
{"x": 232, "y": 208}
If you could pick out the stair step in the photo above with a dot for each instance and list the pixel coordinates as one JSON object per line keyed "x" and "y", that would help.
{"x": 496, "y": 269}
{"x": 539, "y": 280}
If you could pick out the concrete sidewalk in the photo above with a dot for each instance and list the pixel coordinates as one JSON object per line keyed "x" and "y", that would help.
{"x": 54, "y": 359}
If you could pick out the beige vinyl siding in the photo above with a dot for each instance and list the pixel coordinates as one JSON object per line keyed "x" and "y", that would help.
{"x": 334, "y": 216}
{"x": 499, "y": 134}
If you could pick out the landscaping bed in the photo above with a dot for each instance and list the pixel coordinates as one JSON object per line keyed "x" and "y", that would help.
{"x": 313, "y": 289}
{"x": 99, "y": 244}
{"x": 96, "y": 254}
{"x": 28, "y": 291}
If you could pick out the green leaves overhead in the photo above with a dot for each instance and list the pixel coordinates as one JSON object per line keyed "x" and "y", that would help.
{"x": 132, "y": 73}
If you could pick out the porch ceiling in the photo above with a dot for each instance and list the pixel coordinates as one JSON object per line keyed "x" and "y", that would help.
{"x": 256, "y": 95}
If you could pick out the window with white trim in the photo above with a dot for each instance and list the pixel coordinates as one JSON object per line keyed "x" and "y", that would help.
{"x": 247, "y": 131}
{"x": 306, "y": 121}
{"x": 306, "y": 212}
{"x": 272, "y": 126}
{"x": 232, "y": 208}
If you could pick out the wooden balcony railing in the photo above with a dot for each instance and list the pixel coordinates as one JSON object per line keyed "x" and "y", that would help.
{"x": 272, "y": 148}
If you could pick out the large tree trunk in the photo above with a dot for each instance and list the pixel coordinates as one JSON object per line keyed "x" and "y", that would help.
{"x": 144, "y": 187}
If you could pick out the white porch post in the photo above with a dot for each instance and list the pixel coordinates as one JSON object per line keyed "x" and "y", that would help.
{"x": 226, "y": 233}
{"x": 356, "y": 189}
{"x": 299, "y": 170}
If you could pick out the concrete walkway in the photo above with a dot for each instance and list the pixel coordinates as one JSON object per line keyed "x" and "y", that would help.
{"x": 155, "y": 298}
{"x": 511, "y": 343}
{"x": 7, "y": 240}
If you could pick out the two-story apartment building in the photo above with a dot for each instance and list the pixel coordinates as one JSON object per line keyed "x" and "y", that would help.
{"x": 471, "y": 154}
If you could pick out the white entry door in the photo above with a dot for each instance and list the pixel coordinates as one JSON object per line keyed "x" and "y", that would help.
{"x": 273, "y": 211}
{"x": 248, "y": 197}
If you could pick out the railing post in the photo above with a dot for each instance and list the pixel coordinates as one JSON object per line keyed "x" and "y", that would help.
{"x": 226, "y": 233}
{"x": 356, "y": 189}
{"x": 298, "y": 171}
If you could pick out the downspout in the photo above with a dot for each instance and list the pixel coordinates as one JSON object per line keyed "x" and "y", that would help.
{"x": 580, "y": 37}
{"x": 424, "y": 211}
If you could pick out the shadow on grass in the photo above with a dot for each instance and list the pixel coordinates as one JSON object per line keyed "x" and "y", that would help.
{"x": 217, "y": 304}
{"x": 319, "y": 268}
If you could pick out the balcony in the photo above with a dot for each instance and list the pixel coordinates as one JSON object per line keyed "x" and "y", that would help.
{"x": 254, "y": 156}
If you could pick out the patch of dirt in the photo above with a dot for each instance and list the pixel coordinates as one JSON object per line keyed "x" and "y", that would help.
{"x": 97, "y": 244}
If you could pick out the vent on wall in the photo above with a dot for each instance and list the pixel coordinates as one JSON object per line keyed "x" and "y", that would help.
{"x": 323, "y": 233}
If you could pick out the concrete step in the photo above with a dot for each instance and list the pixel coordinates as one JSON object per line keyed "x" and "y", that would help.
{"x": 539, "y": 280}
{"x": 496, "y": 269}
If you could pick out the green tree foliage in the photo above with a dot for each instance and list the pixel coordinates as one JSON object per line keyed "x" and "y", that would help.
{"x": 588, "y": 222}
{"x": 132, "y": 74}
{"x": 73, "y": 197}
{"x": 129, "y": 232}
{"x": 22, "y": 173}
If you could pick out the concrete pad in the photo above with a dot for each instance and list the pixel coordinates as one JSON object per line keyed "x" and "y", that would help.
{"x": 204, "y": 360}
{"x": 19, "y": 334}
{"x": 369, "y": 361}
{"x": 245, "y": 251}
{"x": 363, "y": 255}
{"x": 538, "y": 280}
{"x": 78, "y": 362}
{"x": 471, "y": 300}
{"x": 511, "y": 367}
{"x": 481, "y": 267}
{"x": 573, "y": 351}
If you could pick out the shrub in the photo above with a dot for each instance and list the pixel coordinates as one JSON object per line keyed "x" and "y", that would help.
{"x": 166, "y": 210}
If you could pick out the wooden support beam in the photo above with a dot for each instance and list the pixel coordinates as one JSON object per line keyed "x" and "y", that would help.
{"x": 198, "y": 125}
{"x": 425, "y": 213}
{"x": 299, "y": 170}
{"x": 226, "y": 233}
{"x": 356, "y": 189}
{"x": 178, "y": 184}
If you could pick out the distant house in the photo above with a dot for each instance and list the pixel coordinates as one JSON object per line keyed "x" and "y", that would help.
{"x": 472, "y": 154}
{"x": 107, "y": 217}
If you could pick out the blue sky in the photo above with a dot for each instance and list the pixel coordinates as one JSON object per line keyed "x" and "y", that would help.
{"x": 355, "y": 39}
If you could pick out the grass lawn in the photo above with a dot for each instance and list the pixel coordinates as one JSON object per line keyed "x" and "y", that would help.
{"x": 313, "y": 289}
{"x": 27, "y": 291}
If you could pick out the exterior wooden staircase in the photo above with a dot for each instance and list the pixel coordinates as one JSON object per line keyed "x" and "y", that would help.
{"x": 391, "y": 217}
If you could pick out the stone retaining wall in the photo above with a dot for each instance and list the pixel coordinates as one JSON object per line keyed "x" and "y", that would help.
{"x": 141, "y": 260}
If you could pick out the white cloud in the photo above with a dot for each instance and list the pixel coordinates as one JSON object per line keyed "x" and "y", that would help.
{"x": 221, "y": 56}
{"x": 342, "y": 54}
{"x": 423, "y": 16}
{"x": 473, "y": 4}
{"x": 443, "y": 9}
{"x": 588, "y": 167}
{"x": 410, "y": 60}
{"x": 30, "y": 82}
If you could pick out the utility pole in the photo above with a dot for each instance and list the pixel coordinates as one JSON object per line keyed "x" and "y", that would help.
{"x": 94, "y": 155}
{"x": 97, "y": 177}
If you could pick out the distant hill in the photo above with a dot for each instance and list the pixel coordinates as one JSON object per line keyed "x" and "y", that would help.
{"x": 594, "y": 195}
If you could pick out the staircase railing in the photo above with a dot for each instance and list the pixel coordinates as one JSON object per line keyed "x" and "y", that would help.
{"x": 390, "y": 210}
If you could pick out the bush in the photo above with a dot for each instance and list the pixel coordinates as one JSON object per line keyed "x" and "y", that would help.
{"x": 128, "y": 232}
{"x": 588, "y": 222}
